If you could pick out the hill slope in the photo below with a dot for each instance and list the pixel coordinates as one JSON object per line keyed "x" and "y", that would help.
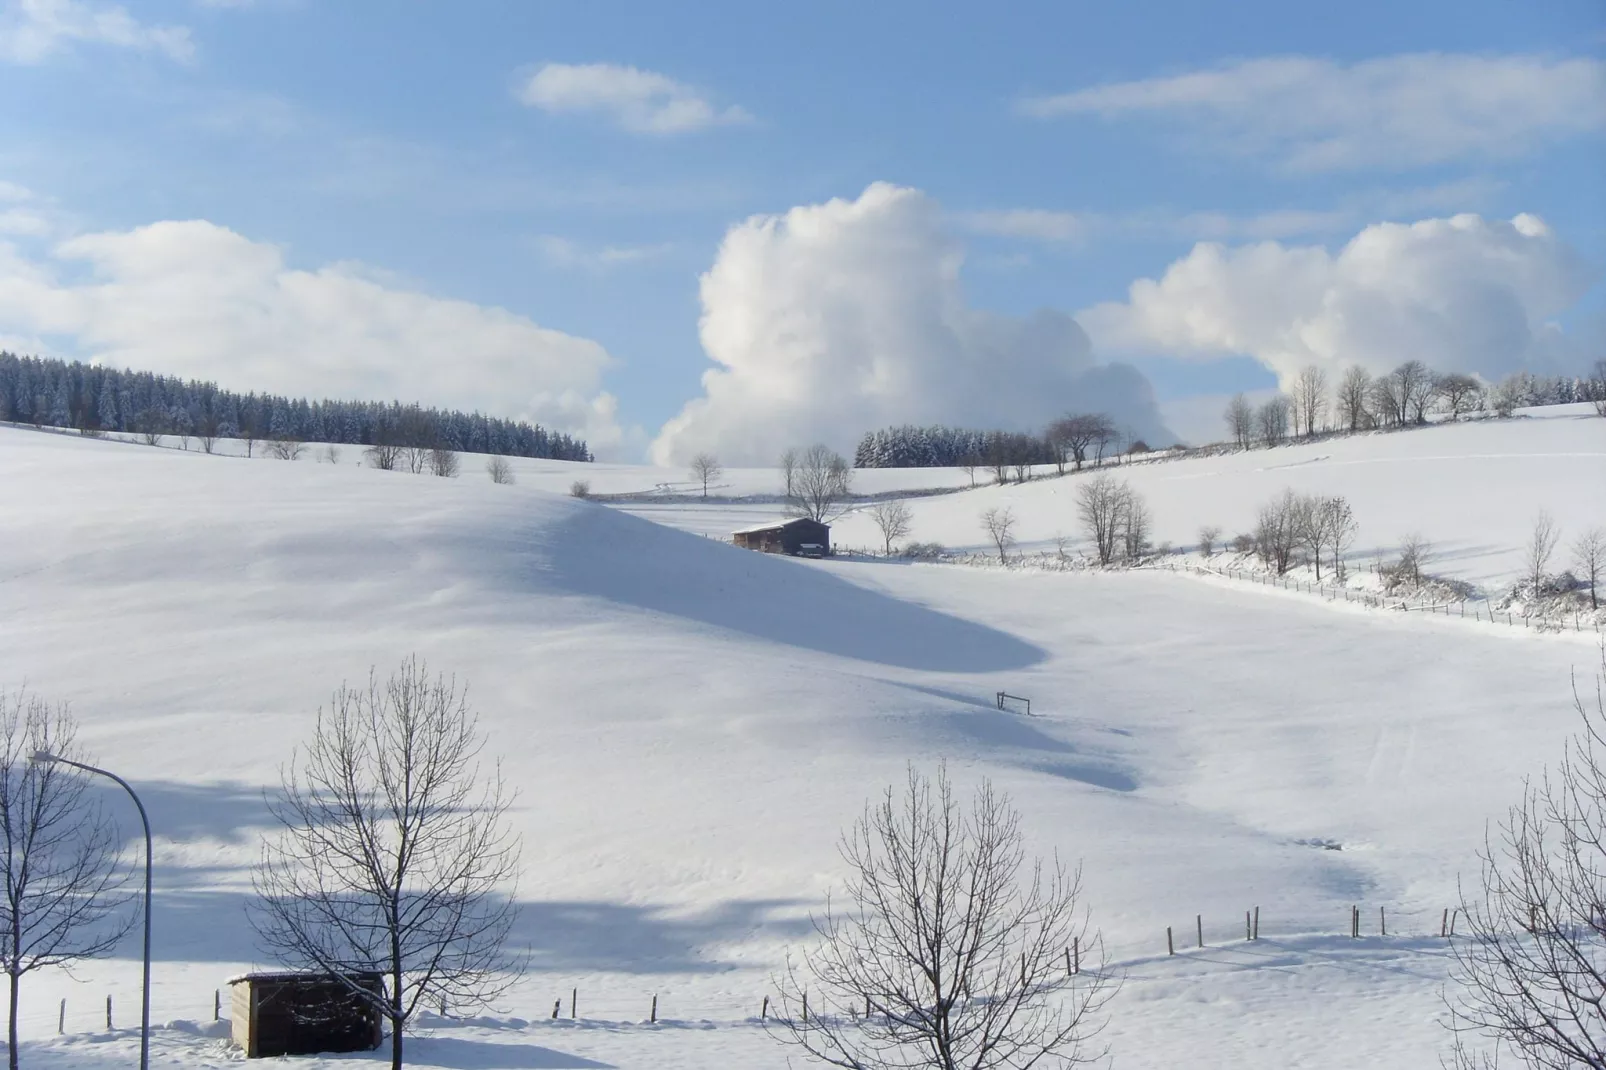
{"x": 689, "y": 726}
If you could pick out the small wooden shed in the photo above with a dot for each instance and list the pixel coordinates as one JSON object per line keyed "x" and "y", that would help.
{"x": 304, "y": 1013}
{"x": 800, "y": 537}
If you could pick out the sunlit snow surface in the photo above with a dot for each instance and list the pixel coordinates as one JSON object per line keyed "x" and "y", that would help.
{"x": 689, "y": 725}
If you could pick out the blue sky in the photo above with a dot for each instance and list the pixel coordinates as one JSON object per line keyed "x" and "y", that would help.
{"x": 581, "y": 165}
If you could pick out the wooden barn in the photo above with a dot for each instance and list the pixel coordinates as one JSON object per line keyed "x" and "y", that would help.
{"x": 801, "y": 537}
{"x": 303, "y": 1013}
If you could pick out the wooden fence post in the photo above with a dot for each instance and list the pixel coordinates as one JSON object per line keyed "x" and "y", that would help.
{"x": 574, "y": 1000}
{"x": 1257, "y": 923}
{"x": 1382, "y": 922}
{"x": 1248, "y": 932}
{"x": 217, "y": 1004}
{"x": 61, "y": 1019}
{"x": 108, "y": 1012}
{"x": 654, "y": 1016}
{"x": 1170, "y": 949}
{"x": 764, "y": 1011}
{"x": 557, "y": 1005}
{"x": 1444, "y": 922}
{"x": 1198, "y": 924}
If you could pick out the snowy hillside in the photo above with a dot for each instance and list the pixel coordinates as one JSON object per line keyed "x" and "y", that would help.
{"x": 690, "y": 725}
{"x": 1472, "y": 489}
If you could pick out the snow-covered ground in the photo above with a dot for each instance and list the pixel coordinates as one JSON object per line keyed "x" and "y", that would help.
{"x": 690, "y": 725}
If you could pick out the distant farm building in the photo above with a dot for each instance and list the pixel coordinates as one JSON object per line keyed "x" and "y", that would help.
{"x": 801, "y": 538}
{"x": 274, "y": 1014}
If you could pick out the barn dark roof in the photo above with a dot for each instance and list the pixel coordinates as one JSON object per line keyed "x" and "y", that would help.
{"x": 778, "y": 525}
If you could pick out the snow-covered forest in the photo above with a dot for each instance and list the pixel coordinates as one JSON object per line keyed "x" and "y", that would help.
{"x": 88, "y": 397}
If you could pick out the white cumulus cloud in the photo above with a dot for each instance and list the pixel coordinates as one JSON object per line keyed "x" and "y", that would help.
{"x": 198, "y": 300}
{"x": 835, "y": 319}
{"x": 1462, "y": 294}
{"x": 32, "y": 30}
{"x": 642, "y": 102}
{"x": 1392, "y": 112}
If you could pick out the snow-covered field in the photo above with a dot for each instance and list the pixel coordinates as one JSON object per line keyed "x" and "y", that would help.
{"x": 690, "y": 725}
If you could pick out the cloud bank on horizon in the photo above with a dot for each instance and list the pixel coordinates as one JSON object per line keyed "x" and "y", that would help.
{"x": 1460, "y": 294}
{"x": 197, "y": 300}
{"x": 835, "y": 319}
{"x": 822, "y": 322}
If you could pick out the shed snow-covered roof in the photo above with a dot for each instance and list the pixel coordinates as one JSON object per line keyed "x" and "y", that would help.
{"x": 301, "y": 975}
{"x": 776, "y": 525}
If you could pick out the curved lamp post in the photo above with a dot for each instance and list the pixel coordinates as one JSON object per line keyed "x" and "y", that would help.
{"x": 145, "y": 999}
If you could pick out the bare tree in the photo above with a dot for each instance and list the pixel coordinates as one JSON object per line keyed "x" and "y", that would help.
{"x": 1101, "y": 504}
{"x": 207, "y": 431}
{"x": 822, "y": 485}
{"x": 950, "y": 943}
{"x": 1384, "y": 402}
{"x": 1000, "y": 527}
{"x": 705, "y": 467}
{"x": 1240, "y": 417}
{"x": 393, "y": 853}
{"x": 1412, "y": 392}
{"x": 415, "y": 458}
{"x": 1271, "y": 420}
{"x": 1597, "y": 387}
{"x": 330, "y": 454}
{"x": 444, "y": 462}
{"x": 893, "y": 519}
{"x": 499, "y": 470}
{"x": 152, "y": 422}
{"x": 1324, "y": 526}
{"x": 384, "y": 456}
{"x": 1341, "y": 529}
{"x": 1310, "y": 399}
{"x": 1278, "y": 529}
{"x": 63, "y": 898}
{"x": 1537, "y": 550}
{"x": 1589, "y": 558}
{"x": 580, "y": 488}
{"x": 1354, "y": 393}
{"x": 1078, "y": 433}
{"x": 1505, "y": 396}
{"x": 968, "y": 465}
{"x": 286, "y": 448}
{"x": 1208, "y": 537}
{"x": 998, "y": 458}
{"x": 1136, "y": 525}
{"x": 1104, "y": 435}
{"x": 1311, "y": 522}
{"x": 1461, "y": 394}
{"x": 1414, "y": 554}
{"x": 789, "y": 460}
{"x": 1530, "y": 979}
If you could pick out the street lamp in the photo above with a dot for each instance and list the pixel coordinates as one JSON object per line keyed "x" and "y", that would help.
{"x": 145, "y": 1000}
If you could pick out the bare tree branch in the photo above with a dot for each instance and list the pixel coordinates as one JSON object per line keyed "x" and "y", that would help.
{"x": 394, "y": 854}
{"x": 950, "y": 950}
{"x": 1530, "y": 978}
{"x": 63, "y": 887}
